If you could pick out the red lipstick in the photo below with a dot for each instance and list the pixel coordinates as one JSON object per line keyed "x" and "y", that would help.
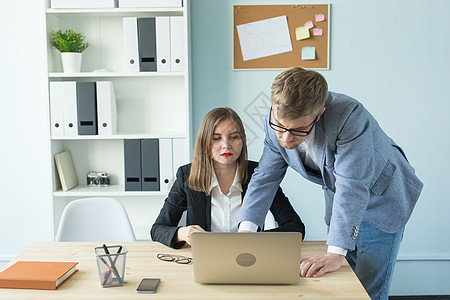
{"x": 227, "y": 154}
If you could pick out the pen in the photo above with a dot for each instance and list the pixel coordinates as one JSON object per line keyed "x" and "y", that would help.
{"x": 104, "y": 261}
{"x": 114, "y": 270}
{"x": 115, "y": 260}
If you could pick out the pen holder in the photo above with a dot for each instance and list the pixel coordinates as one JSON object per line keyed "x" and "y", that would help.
{"x": 111, "y": 264}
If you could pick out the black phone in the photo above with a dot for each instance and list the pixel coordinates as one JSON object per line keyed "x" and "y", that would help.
{"x": 148, "y": 285}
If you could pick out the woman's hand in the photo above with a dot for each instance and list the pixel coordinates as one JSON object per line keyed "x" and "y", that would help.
{"x": 184, "y": 233}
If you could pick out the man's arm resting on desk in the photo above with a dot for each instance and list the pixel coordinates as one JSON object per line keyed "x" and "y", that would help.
{"x": 311, "y": 266}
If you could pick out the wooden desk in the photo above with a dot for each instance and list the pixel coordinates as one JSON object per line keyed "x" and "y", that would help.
{"x": 177, "y": 281}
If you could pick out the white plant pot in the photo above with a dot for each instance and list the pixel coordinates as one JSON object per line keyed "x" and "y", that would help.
{"x": 71, "y": 62}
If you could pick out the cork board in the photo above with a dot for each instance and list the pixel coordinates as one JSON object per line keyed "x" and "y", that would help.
{"x": 297, "y": 16}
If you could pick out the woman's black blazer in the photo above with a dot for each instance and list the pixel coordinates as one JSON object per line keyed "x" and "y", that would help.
{"x": 198, "y": 210}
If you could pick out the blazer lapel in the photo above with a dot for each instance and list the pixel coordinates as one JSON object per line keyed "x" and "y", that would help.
{"x": 319, "y": 145}
{"x": 207, "y": 212}
{"x": 295, "y": 161}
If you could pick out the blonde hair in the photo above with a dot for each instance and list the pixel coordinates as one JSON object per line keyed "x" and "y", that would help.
{"x": 297, "y": 92}
{"x": 202, "y": 163}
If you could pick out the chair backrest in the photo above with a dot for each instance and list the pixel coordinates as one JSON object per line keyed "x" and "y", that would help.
{"x": 95, "y": 220}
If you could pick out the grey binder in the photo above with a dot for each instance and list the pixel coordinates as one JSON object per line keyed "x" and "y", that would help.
{"x": 132, "y": 159}
{"x": 147, "y": 44}
{"x": 87, "y": 108}
{"x": 150, "y": 164}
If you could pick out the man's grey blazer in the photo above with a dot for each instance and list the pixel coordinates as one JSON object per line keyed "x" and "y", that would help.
{"x": 364, "y": 173}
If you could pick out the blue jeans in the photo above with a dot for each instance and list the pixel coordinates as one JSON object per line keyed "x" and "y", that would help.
{"x": 374, "y": 257}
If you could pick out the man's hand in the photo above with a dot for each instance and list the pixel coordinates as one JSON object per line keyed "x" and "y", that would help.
{"x": 184, "y": 233}
{"x": 316, "y": 266}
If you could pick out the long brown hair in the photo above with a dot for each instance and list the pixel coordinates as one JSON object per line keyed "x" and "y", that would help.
{"x": 202, "y": 163}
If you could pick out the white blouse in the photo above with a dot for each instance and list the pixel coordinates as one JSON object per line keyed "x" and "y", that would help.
{"x": 225, "y": 208}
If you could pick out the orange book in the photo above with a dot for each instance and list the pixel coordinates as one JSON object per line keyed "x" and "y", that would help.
{"x": 40, "y": 275}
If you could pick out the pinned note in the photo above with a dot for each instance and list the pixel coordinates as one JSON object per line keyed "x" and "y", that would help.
{"x": 264, "y": 38}
{"x": 308, "y": 53}
{"x": 309, "y": 24}
{"x": 317, "y": 31}
{"x": 320, "y": 17}
{"x": 302, "y": 33}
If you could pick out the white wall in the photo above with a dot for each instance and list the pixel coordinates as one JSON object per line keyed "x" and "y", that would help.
{"x": 393, "y": 56}
{"x": 25, "y": 205}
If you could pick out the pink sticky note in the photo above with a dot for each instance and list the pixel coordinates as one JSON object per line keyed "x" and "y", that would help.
{"x": 309, "y": 24}
{"x": 320, "y": 17}
{"x": 317, "y": 31}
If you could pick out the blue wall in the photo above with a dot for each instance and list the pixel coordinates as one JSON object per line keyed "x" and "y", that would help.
{"x": 394, "y": 57}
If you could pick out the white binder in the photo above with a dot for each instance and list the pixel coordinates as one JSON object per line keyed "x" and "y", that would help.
{"x": 165, "y": 165}
{"x": 70, "y": 108}
{"x": 177, "y": 44}
{"x": 106, "y": 108}
{"x": 57, "y": 108}
{"x": 130, "y": 38}
{"x": 179, "y": 154}
{"x": 163, "y": 44}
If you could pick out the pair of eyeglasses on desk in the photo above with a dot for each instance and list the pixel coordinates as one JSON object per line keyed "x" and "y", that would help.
{"x": 179, "y": 259}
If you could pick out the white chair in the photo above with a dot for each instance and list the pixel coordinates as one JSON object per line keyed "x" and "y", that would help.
{"x": 95, "y": 220}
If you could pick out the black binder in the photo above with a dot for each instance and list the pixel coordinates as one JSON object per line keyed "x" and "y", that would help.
{"x": 132, "y": 159}
{"x": 87, "y": 108}
{"x": 150, "y": 164}
{"x": 147, "y": 44}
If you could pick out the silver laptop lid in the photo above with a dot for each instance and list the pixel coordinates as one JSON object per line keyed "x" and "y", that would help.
{"x": 246, "y": 258}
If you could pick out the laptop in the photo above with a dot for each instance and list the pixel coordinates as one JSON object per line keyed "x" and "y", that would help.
{"x": 246, "y": 257}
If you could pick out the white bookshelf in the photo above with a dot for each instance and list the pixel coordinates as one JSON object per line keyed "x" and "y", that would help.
{"x": 149, "y": 105}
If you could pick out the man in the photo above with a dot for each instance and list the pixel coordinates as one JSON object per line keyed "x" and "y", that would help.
{"x": 370, "y": 188}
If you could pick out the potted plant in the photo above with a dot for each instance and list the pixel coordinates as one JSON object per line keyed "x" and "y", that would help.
{"x": 71, "y": 45}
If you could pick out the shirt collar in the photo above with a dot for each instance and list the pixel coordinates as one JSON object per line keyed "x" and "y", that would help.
{"x": 236, "y": 184}
{"x": 310, "y": 139}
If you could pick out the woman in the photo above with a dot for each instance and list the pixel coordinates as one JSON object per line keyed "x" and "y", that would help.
{"x": 211, "y": 189}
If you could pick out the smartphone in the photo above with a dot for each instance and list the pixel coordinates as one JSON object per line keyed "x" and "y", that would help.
{"x": 148, "y": 285}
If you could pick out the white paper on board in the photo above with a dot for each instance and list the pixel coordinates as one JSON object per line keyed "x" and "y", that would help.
{"x": 264, "y": 38}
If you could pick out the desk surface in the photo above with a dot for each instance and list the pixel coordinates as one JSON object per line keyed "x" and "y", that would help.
{"x": 177, "y": 281}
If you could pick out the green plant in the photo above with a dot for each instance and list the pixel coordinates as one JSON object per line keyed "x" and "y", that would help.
{"x": 68, "y": 41}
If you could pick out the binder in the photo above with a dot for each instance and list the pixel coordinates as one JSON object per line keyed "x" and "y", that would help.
{"x": 163, "y": 44}
{"x": 179, "y": 154}
{"x": 86, "y": 108}
{"x": 147, "y": 44}
{"x": 106, "y": 108}
{"x": 130, "y": 38}
{"x": 132, "y": 161}
{"x": 150, "y": 164}
{"x": 165, "y": 165}
{"x": 57, "y": 108}
{"x": 177, "y": 44}
{"x": 70, "y": 108}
